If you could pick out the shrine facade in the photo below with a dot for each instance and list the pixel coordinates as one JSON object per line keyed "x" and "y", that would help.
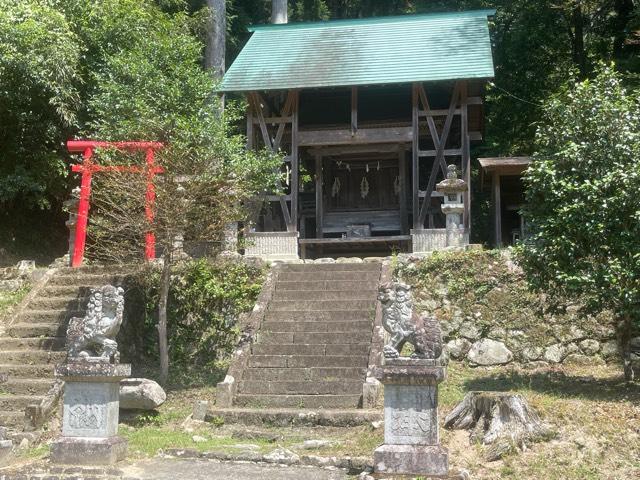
{"x": 368, "y": 115}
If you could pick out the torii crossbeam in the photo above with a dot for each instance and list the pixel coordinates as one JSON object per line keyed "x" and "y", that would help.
{"x": 88, "y": 168}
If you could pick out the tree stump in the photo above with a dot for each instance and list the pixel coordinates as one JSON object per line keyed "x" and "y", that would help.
{"x": 503, "y": 421}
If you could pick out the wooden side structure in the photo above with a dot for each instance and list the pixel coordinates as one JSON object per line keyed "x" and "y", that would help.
{"x": 500, "y": 169}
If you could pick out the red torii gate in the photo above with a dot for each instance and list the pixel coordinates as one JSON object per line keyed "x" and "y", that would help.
{"x": 88, "y": 167}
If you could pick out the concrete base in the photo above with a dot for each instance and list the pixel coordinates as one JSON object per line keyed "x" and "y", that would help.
{"x": 429, "y": 460}
{"x": 88, "y": 451}
{"x": 6, "y": 446}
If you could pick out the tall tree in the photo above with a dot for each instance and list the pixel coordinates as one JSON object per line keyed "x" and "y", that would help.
{"x": 214, "y": 59}
{"x": 583, "y": 201}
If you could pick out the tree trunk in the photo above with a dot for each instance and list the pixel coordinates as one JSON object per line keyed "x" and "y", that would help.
{"x": 626, "y": 328}
{"x": 214, "y": 59}
{"x": 163, "y": 344}
{"x": 279, "y": 11}
{"x": 579, "y": 53}
{"x": 503, "y": 421}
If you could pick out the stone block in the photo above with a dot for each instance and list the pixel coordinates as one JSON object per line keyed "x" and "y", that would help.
{"x": 225, "y": 391}
{"x": 90, "y": 409}
{"x": 88, "y": 451}
{"x": 141, "y": 394}
{"x": 410, "y": 415}
{"x": 6, "y": 447}
{"x": 370, "y": 392}
{"x": 200, "y": 409}
{"x": 272, "y": 245}
{"x": 411, "y": 460}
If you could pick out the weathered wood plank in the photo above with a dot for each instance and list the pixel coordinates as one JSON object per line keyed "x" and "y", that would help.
{"x": 354, "y": 149}
{"x": 295, "y": 167}
{"x": 497, "y": 209}
{"x": 311, "y": 138}
{"x": 415, "y": 159}
{"x": 402, "y": 175}
{"x": 319, "y": 196}
{"x": 354, "y": 110}
{"x": 355, "y": 241}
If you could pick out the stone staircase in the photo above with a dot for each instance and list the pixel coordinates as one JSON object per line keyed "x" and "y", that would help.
{"x": 34, "y": 340}
{"x": 312, "y": 350}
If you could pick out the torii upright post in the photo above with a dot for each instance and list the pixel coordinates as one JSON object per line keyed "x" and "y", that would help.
{"x": 88, "y": 167}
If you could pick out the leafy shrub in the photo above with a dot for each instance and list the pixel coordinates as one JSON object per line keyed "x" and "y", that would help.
{"x": 205, "y": 300}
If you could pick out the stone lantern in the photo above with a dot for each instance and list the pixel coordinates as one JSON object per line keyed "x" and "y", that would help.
{"x": 453, "y": 189}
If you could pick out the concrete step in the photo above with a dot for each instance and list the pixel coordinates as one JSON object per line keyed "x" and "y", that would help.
{"x": 11, "y": 418}
{"x": 65, "y": 291}
{"x": 308, "y": 338}
{"x": 319, "y": 326}
{"x": 328, "y": 315}
{"x": 87, "y": 280}
{"x": 299, "y": 401}
{"x": 328, "y": 276}
{"x": 310, "y": 295}
{"x": 58, "y": 303}
{"x": 44, "y": 370}
{"x": 98, "y": 270}
{"x": 302, "y": 361}
{"x": 42, "y": 343}
{"x": 30, "y": 357}
{"x": 310, "y": 349}
{"x": 312, "y": 374}
{"x": 332, "y": 267}
{"x": 17, "y": 403}
{"x": 24, "y": 330}
{"x": 48, "y": 315}
{"x": 29, "y": 386}
{"x": 339, "y": 387}
{"x": 287, "y": 417}
{"x": 321, "y": 285}
{"x": 321, "y": 305}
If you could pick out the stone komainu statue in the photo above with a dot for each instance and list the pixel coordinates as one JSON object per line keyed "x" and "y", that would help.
{"x": 93, "y": 336}
{"x": 398, "y": 318}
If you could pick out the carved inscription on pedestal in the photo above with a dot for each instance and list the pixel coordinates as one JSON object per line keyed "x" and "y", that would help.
{"x": 411, "y": 415}
{"x": 85, "y": 416}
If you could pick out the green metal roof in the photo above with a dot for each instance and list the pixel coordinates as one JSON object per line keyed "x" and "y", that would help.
{"x": 370, "y": 51}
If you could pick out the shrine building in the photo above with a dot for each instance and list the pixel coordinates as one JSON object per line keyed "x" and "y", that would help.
{"x": 368, "y": 114}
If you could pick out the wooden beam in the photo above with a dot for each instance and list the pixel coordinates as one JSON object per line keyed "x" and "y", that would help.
{"x": 287, "y": 109}
{"x": 319, "y": 197}
{"x": 257, "y": 109}
{"x": 275, "y": 120}
{"x": 402, "y": 177}
{"x": 250, "y": 122}
{"x": 295, "y": 167}
{"x": 437, "y": 113}
{"x": 415, "y": 159}
{"x": 447, "y": 153}
{"x": 354, "y": 110}
{"x": 466, "y": 155}
{"x": 497, "y": 209}
{"x": 440, "y": 148}
{"x": 313, "y": 138}
{"x": 356, "y": 149}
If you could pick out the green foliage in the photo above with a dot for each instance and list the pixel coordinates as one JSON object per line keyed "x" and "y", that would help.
{"x": 39, "y": 75}
{"x": 583, "y": 195}
{"x": 206, "y": 299}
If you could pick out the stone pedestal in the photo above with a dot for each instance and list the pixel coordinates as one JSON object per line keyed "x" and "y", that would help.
{"x": 90, "y": 414}
{"x": 411, "y": 438}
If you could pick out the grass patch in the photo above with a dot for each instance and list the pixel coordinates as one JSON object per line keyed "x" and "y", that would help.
{"x": 8, "y": 300}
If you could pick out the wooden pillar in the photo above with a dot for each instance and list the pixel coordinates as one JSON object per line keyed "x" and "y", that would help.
{"x": 249, "y": 125}
{"x": 402, "y": 165}
{"x": 466, "y": 153}
{"x": 354, "y": 110}
{"x": 319, "y": 197}
{"x": 415, "y": 179}
{"x": 497, "y": 205}
{"x": 295, "y": 167}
